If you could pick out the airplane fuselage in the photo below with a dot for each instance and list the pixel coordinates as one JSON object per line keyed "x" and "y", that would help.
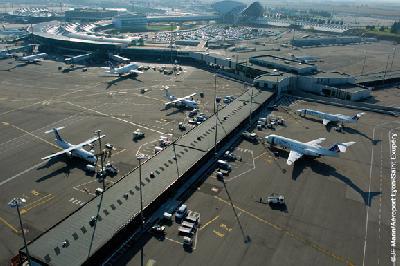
{"x": 79, "y": 152}
{"x": 331, "y": 117}
{"x": 300, "y": 147}
{"x": 124, "y": 69}
{"x": 33, "y": 58}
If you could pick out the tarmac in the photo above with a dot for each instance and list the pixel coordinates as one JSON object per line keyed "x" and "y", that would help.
{"x": 337, "y": 210}
{"x": 38, "y": 97}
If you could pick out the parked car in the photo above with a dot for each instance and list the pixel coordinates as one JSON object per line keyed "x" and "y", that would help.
{"x": 276, "y": 199}
{"x": 181, "y": 213}
{"x": 252, "y": 137}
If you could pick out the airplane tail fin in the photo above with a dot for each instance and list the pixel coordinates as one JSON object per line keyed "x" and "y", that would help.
{"x": 167, "y": 95}
{"x": 55, "y": 130}
{"x": 357, "y": 116}
{"x": 110, "y": 65}
{"x": 341, "y": 147}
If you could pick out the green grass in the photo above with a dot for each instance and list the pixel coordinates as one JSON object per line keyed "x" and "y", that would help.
{"x": 383, "y": 33}
{"x": 161, "y": 27}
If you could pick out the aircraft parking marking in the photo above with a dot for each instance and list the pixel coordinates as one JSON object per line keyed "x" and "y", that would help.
{"x": 15, "y": 230}
{"x": 173, "y": 240}
{"x": 37, "y": 203}
{"x": 76, "y": 201}
{"x": 292, "y": 235}
{"x": 20, "y": 108}
{"x": 121, "y": 151}
{"x": 31, "y": 134}
{"x": 21, "y": 173}
{"x": 117, "y": 118}
{"x": 245, "y": 172}
{"x": 208, "y": 223}
{"x": 380, "y": 126}
{"x": 85, "y": 190}
{"x": 18, "y": 141}
{"x": 218, "y": 233}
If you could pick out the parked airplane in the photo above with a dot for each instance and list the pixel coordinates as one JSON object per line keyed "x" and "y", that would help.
{"x": 77, "y": 59}
{"x": 305, "y": 58}
{"x": 131, "y": 68}
{"x": 326, "y": 118}
{"x": 311, "y": 148}
{"x": 5, "y": 54}
{"x": 34, "y": 58}
{"x": 73, "y": 150}
{"x": 184, "y": 102}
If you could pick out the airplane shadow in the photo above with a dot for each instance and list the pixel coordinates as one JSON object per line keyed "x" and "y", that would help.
{"x": 348, "y": 130}
{"x": 176, "y": 111}
{"x": 356, "y": 131}
{"x": 327, "y": 170}
{"x": 70, "y": 69}
{"x": 69, "y": 164}
{"x": 121, "y": 78}
{"x": 17, "y": 65}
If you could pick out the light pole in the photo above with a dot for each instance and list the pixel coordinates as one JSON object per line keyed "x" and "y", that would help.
{"x": 251, "y": 104}
{"x": 394, "y": 53}
{"x": 365, "y": 59}
{"x": 15, "y": 203}
{"x": 216, "y": 102}
{"x": 387, "y": 64}
{"x": 98, "y": 132}
{"x": 139, "y": 158}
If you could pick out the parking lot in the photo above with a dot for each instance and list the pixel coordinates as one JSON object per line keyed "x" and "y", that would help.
{"x": 337, "y": 209}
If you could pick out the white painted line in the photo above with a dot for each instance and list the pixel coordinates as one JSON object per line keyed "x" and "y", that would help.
{"x": 21, "y": 173}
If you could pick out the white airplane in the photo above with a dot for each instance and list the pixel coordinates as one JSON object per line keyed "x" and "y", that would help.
{"x": 305, "y": 58}
{"x": 5, "y": 54}
{"x": 34, "y": 58}
{"x": 326, "y": 118}
{"x": 73, "y": 150}
{"x": 311, "y": 148}
{"x": 131, "y": 68}
{"x": 184, "y": 102}
{"x": 77, "y": 59}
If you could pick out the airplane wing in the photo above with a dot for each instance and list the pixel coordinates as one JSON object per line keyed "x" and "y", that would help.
{"x": 190, "y": 96}
{"x": 73, "y": 147}
{"x": 136, "y": 71}
{"x": 293, "y": 156}
{"x": 59, "y": 153}
{"x": 175, "y": 101}
{"x": 316, "y": 142}
{"x": 87, "y": 142}
{"x": 325, "y": 121}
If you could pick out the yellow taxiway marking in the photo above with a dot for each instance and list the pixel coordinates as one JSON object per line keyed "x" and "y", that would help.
{"x": 114, "y": 117}
{"x": 20, "y": 108}
{"x": 292, "y": 235}
{"x": 15, "y": 230}
{"x": 218, "y": 233}
{"x": 261, "y": 155}
{"x": 31, "y": 134}
{"x": 209, "y": 222}
{"x": 121, "y": 151}
{"x": 37, "y": 203}
{"x": 173, "y": 240}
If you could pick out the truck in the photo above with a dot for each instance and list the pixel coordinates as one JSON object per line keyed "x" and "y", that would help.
{"x": 252, "y": 137}
{"x": 181, "y": 213}
{"x": 276, "y": 199}
{"x": 137, "y": 134}
{"x": 224, "y": 165}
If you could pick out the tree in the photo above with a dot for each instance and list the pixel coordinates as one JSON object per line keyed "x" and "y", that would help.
{"x": 370, "y": 27}
{"x": 395, "y": 27}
